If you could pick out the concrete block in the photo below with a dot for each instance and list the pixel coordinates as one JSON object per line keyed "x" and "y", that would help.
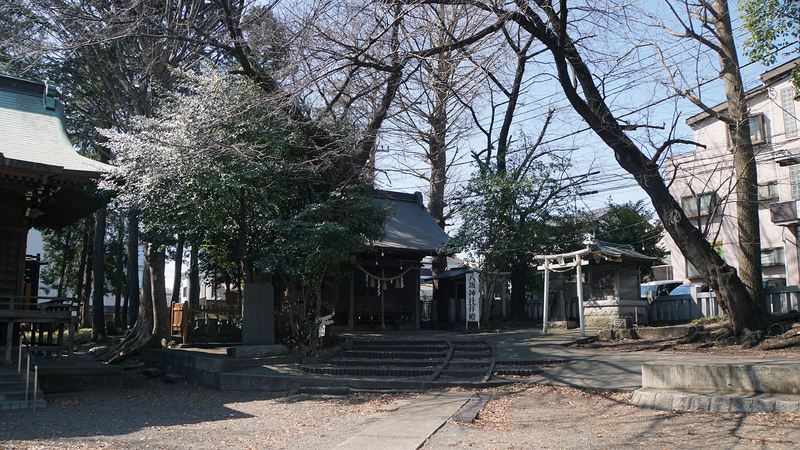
{"x": 663, "y": 401}
{"x": 151, "y": 372}
{"x": 739, "y": 404}
{"x": 646, "y": 399}
{"x": 786, "y": 406}
{"x": 662, "y": 332}
{"x": 699, "y": 403}
{"x": 762, "y": 405}
{"x": 627, "y": 334}
{"x": 174, "y": 378}
{"x": 681, "y": 402}
{"x": 719, "y": 404}
{"x": 661, "y": 376}
{"x": 637, "y": 397}
{"x": 606, "y": 335}
{"x": 779, "y": 379}
{"x": 257, "y": 351}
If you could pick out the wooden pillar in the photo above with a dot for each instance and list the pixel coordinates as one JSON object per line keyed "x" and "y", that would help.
{"x": 383, "y": 308}
{"x": 351, "y": 320}
{"x": 417, "y": 301}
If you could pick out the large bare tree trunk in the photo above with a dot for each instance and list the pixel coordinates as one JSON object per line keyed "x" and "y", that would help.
{"x": 120, "y": 262}
{"x": 99, "y": 270}
{"x": 87, "y": 276}
{"x": 176, "y": 284}
{"x": 518, "y": 298}
{"x": 156, "y": 258}
{"x": 152, "y": 326}
{"x": 133, "y": 269}
{"x": 731, "y": 292}
{"x": 194, "y": 275}
{"x": 744, "y": 161}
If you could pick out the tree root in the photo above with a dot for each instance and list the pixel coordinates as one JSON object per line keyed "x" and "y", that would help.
{"x": 133, "y": 344}
{"x": 782, "y": 345}
{"x": 751, "y": 338}
{"x": 151, "y": 342}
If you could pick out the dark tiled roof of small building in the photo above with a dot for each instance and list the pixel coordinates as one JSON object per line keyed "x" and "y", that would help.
{"x": 411, "y": 227}
{"x": 35, "y": 137}
{"x": 624, "y": 251}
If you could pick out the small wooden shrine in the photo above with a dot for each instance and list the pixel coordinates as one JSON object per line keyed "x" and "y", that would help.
{"x": 610, "y": 275}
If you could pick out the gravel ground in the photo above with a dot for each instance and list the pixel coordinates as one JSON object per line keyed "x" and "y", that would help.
{"x": 149, "y": 414}
{"x": 526, "y": 416}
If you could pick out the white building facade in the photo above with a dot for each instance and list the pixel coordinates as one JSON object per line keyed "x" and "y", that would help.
{"x": 703, "y": 181}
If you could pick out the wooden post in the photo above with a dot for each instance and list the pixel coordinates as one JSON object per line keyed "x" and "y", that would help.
{"x": 9, "y": 338}
{"x": 185, "y": 321}
{"x": 351, "y": 321}
{"x": 383, "y": 307}
{"x": 417, "y": 302}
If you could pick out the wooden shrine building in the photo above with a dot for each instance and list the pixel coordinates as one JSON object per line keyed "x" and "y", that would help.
{"x": 384, "y": 291}
{"x": 44, "y": 182}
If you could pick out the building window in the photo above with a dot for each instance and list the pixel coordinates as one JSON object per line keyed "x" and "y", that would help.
{"x": 699, "y": 205}
{"x": 794, "y": 178}
{"x": 772, "y": 257}
{"x": 691, "y": 271}
{"x": 768, "y": 191}
{"x": 789, "y": 119}
{"x": 756, "y": 130}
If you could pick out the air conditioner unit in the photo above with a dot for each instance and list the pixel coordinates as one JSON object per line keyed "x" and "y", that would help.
{"x": 785, "y": 213}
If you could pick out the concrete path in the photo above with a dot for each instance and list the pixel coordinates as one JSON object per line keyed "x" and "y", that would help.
{"x": 410, "y": 425}
{"x": 594, "y": 369}
{"x": 586, "y": 368}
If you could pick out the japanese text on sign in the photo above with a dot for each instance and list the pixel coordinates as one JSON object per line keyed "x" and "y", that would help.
{"x": 473, "y": 297}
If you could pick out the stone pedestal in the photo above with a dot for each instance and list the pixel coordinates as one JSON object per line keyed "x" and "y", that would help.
{"x": 603, "y": 313}
{"x": 258, "y": 322}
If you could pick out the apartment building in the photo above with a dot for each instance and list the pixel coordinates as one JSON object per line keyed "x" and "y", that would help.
{"x": 704, "y": 181}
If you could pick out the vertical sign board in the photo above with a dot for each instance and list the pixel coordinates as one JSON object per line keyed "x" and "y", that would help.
{"x": 473, "y": 297}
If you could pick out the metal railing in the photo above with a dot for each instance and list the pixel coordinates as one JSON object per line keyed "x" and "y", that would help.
{"x": 30, "y": 361}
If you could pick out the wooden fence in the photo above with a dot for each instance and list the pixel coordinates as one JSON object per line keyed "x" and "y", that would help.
{"x": 182, "y": 314}
{"x": 674, "y": 308}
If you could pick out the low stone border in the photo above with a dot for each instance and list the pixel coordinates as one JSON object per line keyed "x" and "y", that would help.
{"x": 741, "y": 402}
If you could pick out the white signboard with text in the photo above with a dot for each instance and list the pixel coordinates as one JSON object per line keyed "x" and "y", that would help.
{"x": 473, "y": 297}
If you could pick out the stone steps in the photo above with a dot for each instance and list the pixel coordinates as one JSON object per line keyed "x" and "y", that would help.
{"x": 12, "y": 393}
{"x": 369, "y": 371}
{"x": 446, "y": 360}
{"x": 374, "y": 358}
{"x": 464, "y": 372}
{"x": 350, "y": 362}
{"x": 395, "y": 354}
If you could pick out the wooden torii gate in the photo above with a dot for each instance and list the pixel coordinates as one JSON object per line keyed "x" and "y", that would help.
{"x": 563, "y": 262}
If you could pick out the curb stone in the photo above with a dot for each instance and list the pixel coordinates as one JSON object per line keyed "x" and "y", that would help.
{"x": 714, "y": 402}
